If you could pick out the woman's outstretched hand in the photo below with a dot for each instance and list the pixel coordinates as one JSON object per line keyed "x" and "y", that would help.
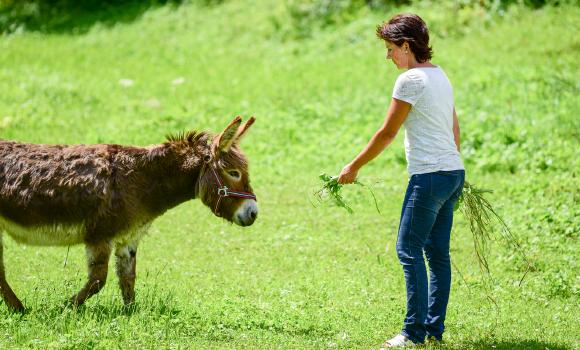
{"x": 347, "y": 175}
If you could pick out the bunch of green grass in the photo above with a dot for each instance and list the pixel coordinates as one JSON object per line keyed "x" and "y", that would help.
{"x": 331, "y": 189}
{"x": 486, "y": 224}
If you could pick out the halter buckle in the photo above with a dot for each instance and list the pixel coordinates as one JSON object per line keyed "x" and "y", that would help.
{"x": 223, "y": 191}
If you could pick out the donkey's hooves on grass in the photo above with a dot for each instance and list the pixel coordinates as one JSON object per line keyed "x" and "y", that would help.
{"x": 129, "y": 308}
{"x": 128, "y": 302}
{"x": 18, "y": 310}
{"x": 12, "y": 303}
{"x": 71, "y": 303}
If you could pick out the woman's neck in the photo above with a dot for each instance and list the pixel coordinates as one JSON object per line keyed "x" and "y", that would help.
{"x": 426, "y": 64}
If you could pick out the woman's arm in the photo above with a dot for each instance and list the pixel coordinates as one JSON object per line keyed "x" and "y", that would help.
{"x": 456, "y": 131}
{"x": 396, "y": 115}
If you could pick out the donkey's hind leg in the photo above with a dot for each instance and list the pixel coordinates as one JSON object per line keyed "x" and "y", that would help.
{"x": 126, "y": 256}
{"x": 98, "y": 265}
{"x": 7, "y": 294}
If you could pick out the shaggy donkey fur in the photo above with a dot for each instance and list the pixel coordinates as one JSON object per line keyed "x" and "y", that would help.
{"x": 106, "y": 196}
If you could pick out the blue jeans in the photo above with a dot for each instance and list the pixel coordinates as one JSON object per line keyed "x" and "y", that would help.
{"x": 425, "y": 226}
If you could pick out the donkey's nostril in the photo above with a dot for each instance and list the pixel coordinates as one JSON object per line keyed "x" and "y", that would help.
{"x": 247, "y": 214}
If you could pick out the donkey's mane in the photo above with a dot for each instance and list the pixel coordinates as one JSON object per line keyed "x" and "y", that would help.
{"x": 192, "y": 136}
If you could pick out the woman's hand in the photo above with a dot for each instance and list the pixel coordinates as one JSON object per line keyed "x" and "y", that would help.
{"x": 347, "y": 175}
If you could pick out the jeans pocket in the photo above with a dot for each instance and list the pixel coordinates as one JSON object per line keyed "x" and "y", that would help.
{"x": 444, "y": 184}
{"x": 459, "y": 189}
{"x": 421, "y": 186}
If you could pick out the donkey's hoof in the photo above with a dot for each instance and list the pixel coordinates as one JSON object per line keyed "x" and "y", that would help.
{"x": 17, "y": 307}
{"x": 129, "y": 301}
{"x": 71, "y": 303}
{"x": 130, "y": 308}
{"x": 128, "y": 305}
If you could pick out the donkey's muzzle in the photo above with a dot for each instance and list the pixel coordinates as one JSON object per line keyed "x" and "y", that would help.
{"x": 246, "y": 213}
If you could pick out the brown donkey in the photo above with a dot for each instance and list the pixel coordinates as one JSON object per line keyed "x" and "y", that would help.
{"x": 106, "y": 196}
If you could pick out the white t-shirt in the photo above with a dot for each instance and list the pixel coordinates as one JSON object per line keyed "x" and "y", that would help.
{"x": 429, "y": 142}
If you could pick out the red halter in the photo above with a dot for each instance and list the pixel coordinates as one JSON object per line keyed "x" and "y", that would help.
{"x": 223, "y": 191}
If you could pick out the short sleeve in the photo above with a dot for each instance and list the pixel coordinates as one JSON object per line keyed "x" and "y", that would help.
{"x": 409, "y": 87}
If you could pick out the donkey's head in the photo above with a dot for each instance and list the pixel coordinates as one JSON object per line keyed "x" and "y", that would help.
{"x": 224, "y": 183}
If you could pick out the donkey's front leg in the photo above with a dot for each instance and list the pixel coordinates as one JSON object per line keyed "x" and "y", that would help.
{"x": 7, "y": 294}
{"x": 126, "y": 260}
{"x": 98, "y": 264}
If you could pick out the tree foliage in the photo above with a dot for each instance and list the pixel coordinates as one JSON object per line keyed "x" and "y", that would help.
{"x": 75, "y": 15}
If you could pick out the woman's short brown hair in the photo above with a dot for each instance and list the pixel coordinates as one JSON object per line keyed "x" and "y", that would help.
{"x": 410, "y": 28}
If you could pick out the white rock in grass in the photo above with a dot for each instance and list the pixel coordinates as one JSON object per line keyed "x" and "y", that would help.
{"x": 5, "y": 122}
{"x": 153, "y": 103}
{"x": 126, "y": 82}
{"x": 178, "y": 81}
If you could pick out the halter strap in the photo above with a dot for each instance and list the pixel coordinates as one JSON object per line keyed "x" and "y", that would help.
{"x": 224, "y": 191}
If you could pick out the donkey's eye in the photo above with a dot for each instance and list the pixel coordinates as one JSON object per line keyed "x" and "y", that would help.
{"x": 234, "y": 173}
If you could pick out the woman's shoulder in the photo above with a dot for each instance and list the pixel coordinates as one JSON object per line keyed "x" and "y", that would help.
{"x": 409, "y": 86}
{"x": 425, "y": 71}
{"x": 422, "y": 75}
{"x": 416, "y": 74}
{"x": 413, "y": 76}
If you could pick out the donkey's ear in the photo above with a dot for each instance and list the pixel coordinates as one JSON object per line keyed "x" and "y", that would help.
{"x": 227, "y": 137}
{"x": 244, "y": 128}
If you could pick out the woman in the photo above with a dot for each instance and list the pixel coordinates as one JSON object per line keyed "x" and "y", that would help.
{"x": 422, "y": 101}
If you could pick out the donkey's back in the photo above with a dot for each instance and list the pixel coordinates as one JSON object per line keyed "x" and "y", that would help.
{"x": 49, "y": 192}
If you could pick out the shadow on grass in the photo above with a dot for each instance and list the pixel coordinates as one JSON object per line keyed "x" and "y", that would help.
{"x": 76, "y": 16}
{"x": 153, "y": 304}
{"x": 505, "y": 345}
{"x": 107, "y": 312}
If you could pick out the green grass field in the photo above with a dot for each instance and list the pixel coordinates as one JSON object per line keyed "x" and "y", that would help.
{"x": 303, "y": 277}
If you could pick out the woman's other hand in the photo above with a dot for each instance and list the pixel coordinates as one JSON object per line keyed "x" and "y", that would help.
{"x": 347, "y": 175}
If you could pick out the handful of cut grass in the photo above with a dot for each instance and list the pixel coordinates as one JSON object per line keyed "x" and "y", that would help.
{"x": 485, "y": 224}
{"x": 330, "y": 191}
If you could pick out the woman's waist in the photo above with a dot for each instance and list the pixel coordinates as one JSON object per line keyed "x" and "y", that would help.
{"x": 432, "y": 154}
{"x": 431, "y": 162}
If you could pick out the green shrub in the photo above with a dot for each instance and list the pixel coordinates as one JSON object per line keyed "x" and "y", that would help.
{"x": 306, "y": 16}
{"x": 74, "y": 15}
{"x": 455, "y": 16}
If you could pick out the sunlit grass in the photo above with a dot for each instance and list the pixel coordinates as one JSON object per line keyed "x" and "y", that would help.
{"x": 301, "y": 277}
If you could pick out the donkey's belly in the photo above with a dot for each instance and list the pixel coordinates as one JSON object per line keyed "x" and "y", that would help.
{"x": 47, "y": 235}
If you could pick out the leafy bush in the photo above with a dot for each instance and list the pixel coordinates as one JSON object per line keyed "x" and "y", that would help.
{"x": 306, "y": 16}
{"x": 49, "y": 15}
